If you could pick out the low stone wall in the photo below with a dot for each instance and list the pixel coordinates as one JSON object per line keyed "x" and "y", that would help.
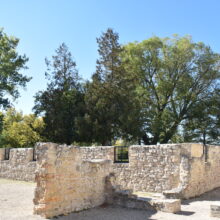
{"x": 65, "y": 182}
{"x": 20, "y": 165}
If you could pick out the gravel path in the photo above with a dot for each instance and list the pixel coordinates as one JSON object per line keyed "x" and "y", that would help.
{"x": 16, "y": 204}
{"x": 16, "y": 200}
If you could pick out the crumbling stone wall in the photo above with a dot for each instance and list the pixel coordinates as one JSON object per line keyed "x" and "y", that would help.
{"x": 20, "y": 165}
{"x": 73, "y": 178}
{"x": 65, "y": 182}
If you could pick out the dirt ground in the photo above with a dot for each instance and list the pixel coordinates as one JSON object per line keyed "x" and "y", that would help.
{"x": 16, "y": 204}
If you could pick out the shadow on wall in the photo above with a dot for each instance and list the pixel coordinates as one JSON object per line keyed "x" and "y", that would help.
{"x": 213, "y": 195}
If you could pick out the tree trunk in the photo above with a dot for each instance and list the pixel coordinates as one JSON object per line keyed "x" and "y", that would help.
{"x": 145, "y": 139}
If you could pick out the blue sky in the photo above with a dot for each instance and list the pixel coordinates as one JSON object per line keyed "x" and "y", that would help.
{"x": 42, "y": 25}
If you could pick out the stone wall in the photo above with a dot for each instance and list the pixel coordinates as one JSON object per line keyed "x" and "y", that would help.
{"x": 153, "y": 168}
{"x": 65, "y": 182}
{"x": 73, "y": 178}
{"x": 178, "y": 170}
{"x": 98, "y": 152}
{"x": 203, "y": 175}
{"x": 20, "y": 165}
{"x": 197, "y": 174}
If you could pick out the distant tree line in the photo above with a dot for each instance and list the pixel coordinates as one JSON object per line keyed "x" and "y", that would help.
{"x": 159, "y": 90}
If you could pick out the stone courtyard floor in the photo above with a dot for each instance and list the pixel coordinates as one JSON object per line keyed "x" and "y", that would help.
{"x": 16, "y": 204}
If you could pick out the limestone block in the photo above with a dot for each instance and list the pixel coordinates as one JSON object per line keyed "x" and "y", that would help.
{"x": 167, "y": 205}
{"x": 215, "y": 210}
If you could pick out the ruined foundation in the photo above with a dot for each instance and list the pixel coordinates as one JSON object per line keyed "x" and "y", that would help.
{"x": 71, "y": 178}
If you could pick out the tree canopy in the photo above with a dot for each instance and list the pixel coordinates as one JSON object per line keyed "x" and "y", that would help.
{"x": 154, "y": 91}
{"x": 111, "y": 107}
{"x": 61, "y": 103}
{"x": 159, "y": 90}
{"x": 11, "y": 64}
{"x": 20, "y": 130}
{"x": 203, "y": 122}
{"x": 174, "y": 75}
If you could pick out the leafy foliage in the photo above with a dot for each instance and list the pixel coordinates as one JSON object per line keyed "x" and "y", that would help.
{"x": 110, "y": 98}
{"x": 203, "y": 123}
{"x": 20, "y": 130}
{"x": 10, "y": 65}
{"x": 174, "y": 74}
{"x": 159, "y": 90}
{"x": 62, "y": 102}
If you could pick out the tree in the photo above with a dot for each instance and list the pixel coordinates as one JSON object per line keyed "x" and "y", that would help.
{"x": 110, "y": 107}
{"x": 62, "y": 102}
{"x": 20, "y": 130}
{"x": 10, "y": 65}
{"x": 203, "y": 123}
{"x": 174, "y": 75}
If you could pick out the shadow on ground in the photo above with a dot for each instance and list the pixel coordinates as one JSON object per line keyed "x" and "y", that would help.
{"x": 192, "y": 209}
{"x": 109, "y": 213}
{"x": 187, "y": 213}
{"x": 16, "y": 204}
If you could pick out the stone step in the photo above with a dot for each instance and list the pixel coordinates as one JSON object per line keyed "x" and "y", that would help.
{"x": 167, "y": 205}
{"x": 145, "y": 200}
{"x": 215, "y": 209}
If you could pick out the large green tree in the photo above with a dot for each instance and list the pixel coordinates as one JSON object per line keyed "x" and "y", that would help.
{"x": 111, "y": 111}
{"x": 61, "y": 104}
{"x": 11, "y": 64}
{"x": 173, "y": 76}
